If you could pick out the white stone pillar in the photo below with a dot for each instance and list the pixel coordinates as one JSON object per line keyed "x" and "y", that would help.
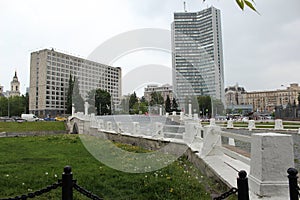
{"x": 190, "y": 132}
{"x": 231, "y": 141}
{"x": 212, "y": 122}
{"x": 160, "y": 111}
{"x": 86, "y": 108}
{"x": 167, "y": 114}
{"x": 73, "y": 110}
{"x": 135, "y": 128}
{"x": 196, "y": 117}
{"x": 299, "y": 131}
{"x": 159, "y": 129}
{"x": 181, "y": 115}
{"x": 251, "y": 125}
{"x": 190, "y": 111}
{"x": 229, "y": 123}
{"x": 211, "y": 141}
{"x": 174, "y": 113}
{"x": 278, "y": 124}
{"x": 271, "y": 155}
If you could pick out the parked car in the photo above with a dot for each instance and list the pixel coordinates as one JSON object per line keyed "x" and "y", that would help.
{"x": 49, "y": 119}
{"x": 31, "y": 117}
{"x": 60, "y": 119}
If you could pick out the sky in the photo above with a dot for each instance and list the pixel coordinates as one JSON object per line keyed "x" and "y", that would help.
{"x": 261, "y": 51}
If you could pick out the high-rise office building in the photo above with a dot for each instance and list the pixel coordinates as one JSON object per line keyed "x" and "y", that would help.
{"x": 49, "y": 80}
{"x": 197, "y": 55}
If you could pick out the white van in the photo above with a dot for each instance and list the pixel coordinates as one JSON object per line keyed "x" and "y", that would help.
{"x": 30, "y": 117}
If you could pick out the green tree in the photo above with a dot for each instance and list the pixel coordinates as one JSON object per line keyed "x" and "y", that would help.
{"x": 69, "y": 95}
{"x": 91, "y": 100}
{"x": 168, "y": 104}
{"x": 204, "y": 103}
{"x": 102, "y": 102}
{"x": 77, "y": 99}
{"x": 133, "y": 100}
{"x": 174, "y": 105}
{"x": 156, "y": 99}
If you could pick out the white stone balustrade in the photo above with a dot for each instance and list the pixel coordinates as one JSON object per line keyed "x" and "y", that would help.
{"x": 118, "y": 127}
{"x": 190, "y": 132}
{"x": 159, "y": 129}
{"x": 135, "y": 128}
{"x": 109, "y": 126}
{"x": 211, "y": 141}
{"x": 278, "y": 124}
{"x": 271, "y": 155}
{"x": 251, "y": 125}
{"x": 229, "y": 123}
{"x": 212, "y": 122}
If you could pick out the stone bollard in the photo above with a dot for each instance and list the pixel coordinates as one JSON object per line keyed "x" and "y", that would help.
{"x": 159, "y": 129}
{"x": 190, "y": 132}
{"x": 251, "y": 125}
{"x": 160, "y": 111}
{"x": 271, "y": 155}
{"x": 230, "y": 123}
{"x": 174, "y": 113}
{"x": 108, "y": 126}
{"x": 181, "y": 115}
{"x": 231, "y": 142}
{"x": 278, "y": 124}
{"x": 86, "y": 108}
{"x": 136, "y": 128}
{"x": 73, "y": 110}
{"x": 299, "y": 131}
{"x": 167, "y": 114}
{"x": 190, "y": 111}
{"x": 211, "y": 141}
{"x": 195, "y": 117}
{"x": 212, "y": 122}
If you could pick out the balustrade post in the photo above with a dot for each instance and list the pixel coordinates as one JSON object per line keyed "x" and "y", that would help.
{"x": 67, "y": 184}
{"x": 293, "y": 185}
{"x": 242, "y": 185}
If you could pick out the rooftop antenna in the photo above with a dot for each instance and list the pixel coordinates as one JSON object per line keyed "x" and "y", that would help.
{"x": 184, "y": 6}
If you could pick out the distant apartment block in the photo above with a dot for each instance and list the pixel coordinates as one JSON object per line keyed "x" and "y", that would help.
{"x": 197, "y": 55}
{"x": 262, "y": 101}
{"x": 49, "y": 76}
{"x": 164, "y": 90}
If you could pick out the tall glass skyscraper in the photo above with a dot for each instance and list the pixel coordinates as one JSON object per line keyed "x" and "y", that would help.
{"x": 197, "y": 56}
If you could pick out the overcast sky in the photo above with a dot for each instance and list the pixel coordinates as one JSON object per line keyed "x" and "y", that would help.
{"x": 261, "y": 52}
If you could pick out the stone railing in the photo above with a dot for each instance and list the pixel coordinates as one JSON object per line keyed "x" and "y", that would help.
{"x": 271, "y": 153}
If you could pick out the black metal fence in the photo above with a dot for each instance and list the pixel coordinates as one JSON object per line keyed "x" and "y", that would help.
{"x": 242, "y": 189}
{"x": 67, "y": 183}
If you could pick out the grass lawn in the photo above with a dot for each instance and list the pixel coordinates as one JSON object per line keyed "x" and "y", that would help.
{"x": 31, "y": 126}
{"x": 31, "y": 163}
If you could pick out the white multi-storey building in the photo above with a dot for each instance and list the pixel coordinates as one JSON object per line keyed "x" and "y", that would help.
{"x": 165, "y": 90}
{"x": 197, "y": 55}
{"x": 49, "y": 76}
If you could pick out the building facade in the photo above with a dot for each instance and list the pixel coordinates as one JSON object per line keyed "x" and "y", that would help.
{"x": 262, "y": 101}
{"x": 15, "y": 86}
{"x": 197, "y": 55}
{"x": 164, "y": 90}
{"x": 49, "y": 77}
{"x": 1, "y": 90}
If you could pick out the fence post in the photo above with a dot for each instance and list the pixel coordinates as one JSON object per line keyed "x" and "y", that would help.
{"x": 293, "y": 185}
{"x": 67, "y": 184}
{"x": 242, "y": 185}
